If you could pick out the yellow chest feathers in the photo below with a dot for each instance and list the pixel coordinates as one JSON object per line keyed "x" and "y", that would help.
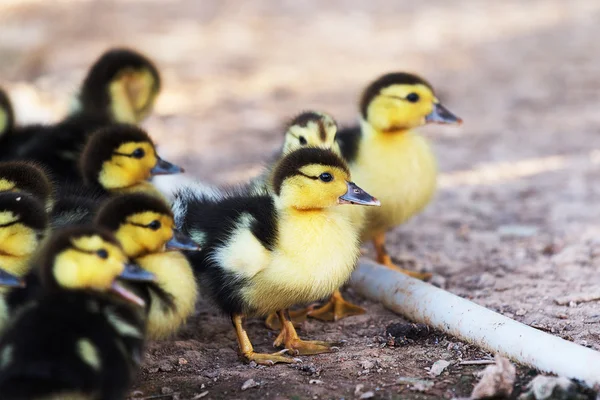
{"x": 400, "y": 170}
{"x": 174, "y": 275}
{"x": 315, "y": 254}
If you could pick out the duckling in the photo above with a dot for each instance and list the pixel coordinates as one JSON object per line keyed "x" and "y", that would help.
{"x": 264, "y": 254}
{"x": 79, "y": 336}
{"x": 145, "y": 227}
{"x": 120, "y": 87}
{"x": 22, "y": 176}
{"x": 117, "y": 159}
{"x": 7, "y": 116}
{"x": 393, "y": 161}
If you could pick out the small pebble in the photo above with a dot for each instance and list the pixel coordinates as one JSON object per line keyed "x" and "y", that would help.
{"x": 201, "y": 395}
{"x": 182, "y": 361}
{"x": 250, "y": 383}
{"x": 520, "y": 312}
{"x": 438, "y": 367}
{"x": 358, "y": 389}
{"x": 315, "y": 382}
{"x": 166, "y": 390}
{"x": 367, "y": 395}
{"x": 366, "y": 364}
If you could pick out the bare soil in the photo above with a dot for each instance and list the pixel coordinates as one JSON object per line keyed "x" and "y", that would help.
{"x": 515, "y": 225}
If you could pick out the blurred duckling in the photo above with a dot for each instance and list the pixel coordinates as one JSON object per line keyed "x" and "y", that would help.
{"x": 145, "y": 227}
{"x": 22, "y": 176}
{"x": 23, "y": 222}
{"x": 120, "y": 158}
{"x": 79, "y": 336}
{"x": 391, "y": 159}
{"x": 120, "y": 87}
{"x": 264, "y": 254}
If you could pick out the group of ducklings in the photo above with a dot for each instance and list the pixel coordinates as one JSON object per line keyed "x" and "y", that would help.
{"x": 94, "y": 260}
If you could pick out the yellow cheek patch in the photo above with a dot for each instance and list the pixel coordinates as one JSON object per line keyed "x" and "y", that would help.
{"x": 390, "y": 110}
{"x": 122, "y": 171}
{"x": 6, "y": 185}
{"x": 137, "y": 240}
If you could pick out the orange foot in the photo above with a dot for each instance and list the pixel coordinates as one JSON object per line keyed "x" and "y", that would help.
{"x": 384, "y": 258}
{"x": 336, "y": 308}
{"x": 288, "y": 338}
{"x": 296, "y": 316}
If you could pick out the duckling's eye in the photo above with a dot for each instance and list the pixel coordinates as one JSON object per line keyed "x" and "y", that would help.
{"x": 326, "y": 177}
{"x": 302, "y": 140}
{"x": 412, "y": 97}
{"x": 138, "y": 153}
{"x": 154, "y": 225}
{"x": 102, "y": 253}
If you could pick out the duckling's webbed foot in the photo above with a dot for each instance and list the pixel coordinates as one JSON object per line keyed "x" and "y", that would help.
{"x": 247, "y": 351}
{"x": 288, "y": 338}
{"x": 384, "y": 258}
{"x": 296, "y": 316}
{"x": 336, "y": 308}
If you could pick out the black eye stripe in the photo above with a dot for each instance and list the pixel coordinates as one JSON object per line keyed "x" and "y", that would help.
{"x": 147, "y": 226}
{"x": 10, "y": 223}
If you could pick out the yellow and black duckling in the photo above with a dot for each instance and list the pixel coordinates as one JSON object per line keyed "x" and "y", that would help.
{"x": 120, "y": 158}
{"x": 391, "y": 159}
{"x": 7, "y": 116}
{"x": 120, "y": 87}
{"x": 264, "y": 254}
{"x": 23, "y": 222}
{"x": 145, "y": 227}
{"x": 79, "y": 335}
{"x": 22, "y": 176}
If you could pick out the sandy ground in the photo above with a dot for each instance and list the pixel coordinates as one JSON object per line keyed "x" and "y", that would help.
{"x": 514, "y": 227}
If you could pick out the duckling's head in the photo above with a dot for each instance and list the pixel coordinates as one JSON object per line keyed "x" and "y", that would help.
{"x": 87, "y": 257}
{"x": 7, "y": 116}
{"x": 123, "y": 84}
{"x": 121, "y": 156}
{"x": 311, "y": 178}
{"x": 23, "y": 221}
{"x": 310, "y": 128}
{"x": 22, "y": 176}
{"x": 143, "y": 224}
{"x": 401, "y": 101}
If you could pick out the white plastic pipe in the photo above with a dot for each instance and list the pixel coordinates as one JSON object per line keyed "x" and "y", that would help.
{"x": 422, "y": 302}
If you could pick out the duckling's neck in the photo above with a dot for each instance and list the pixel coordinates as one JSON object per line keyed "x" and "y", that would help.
{"x": 175, "y": 278}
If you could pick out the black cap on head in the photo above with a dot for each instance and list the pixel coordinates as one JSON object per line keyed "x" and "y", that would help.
{"x": 103, "y": 143}
{"x": 94, "y": 95}
{"x": 27, "y": 177}
{"x": 30, "y": 211}
{"x": 291, "y": 164}
{"x": 116, "y": 210}
{"x": 6, "y": 106}
{"x": 61, "y": 240}
{"x": 394, "y": 78}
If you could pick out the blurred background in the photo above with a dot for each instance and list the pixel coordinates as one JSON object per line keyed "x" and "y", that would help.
{"x": 515, "y": 224}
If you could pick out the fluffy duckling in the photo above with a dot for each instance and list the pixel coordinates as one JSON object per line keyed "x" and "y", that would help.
{"x": 22, "y": 176}
{"x": 117, "y": 159}
{"x": 264, "y": 254}
{"x": 79, "y": 336}
{"x": 120, "y": 87}
{"x": 145, "y": 227}
{"x": 7, "y": 116}
{"x": 391, "y": 159}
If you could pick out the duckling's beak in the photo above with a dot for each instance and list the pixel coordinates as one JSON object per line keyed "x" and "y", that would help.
{"x": 164, "y": 167}
{"x": 180, "y": 241}
{"x": 441, "y": 115}
{"x": 10, "y": 280}
{"x": 127, "y": 294}
{"x": 356, "y": 195}
{"x": 134, "y": 272}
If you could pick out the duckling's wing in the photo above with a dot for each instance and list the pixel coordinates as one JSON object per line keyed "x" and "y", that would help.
{"x": 76, "y": 204}
{"x": 349, "y": 141}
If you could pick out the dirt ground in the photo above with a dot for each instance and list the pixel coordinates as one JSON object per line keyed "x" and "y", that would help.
{"x": 515, "y": 225}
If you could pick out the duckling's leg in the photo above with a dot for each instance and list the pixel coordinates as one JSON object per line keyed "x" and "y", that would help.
{"x": 297, "y": 317}
{"x": 384, "y": 258}
{"x": 289, "y": 338}
{"x": 336, "y": 308}
{"x": 247, "y": 351}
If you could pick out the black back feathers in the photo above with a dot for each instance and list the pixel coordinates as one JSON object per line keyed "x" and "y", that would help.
{"x": 116, "y": 210}
{"x": 30, "y": 211}
{"x": 394, "y": 78}
{"x": 291, "y": 164}
{"x": 94, "y": 96}
{"x": 27, "y": 177}
{"x": 101, "y": 146}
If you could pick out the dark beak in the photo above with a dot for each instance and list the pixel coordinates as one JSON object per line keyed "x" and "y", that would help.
{"x": 134, "y": 272}
{"x": 10, "y": 280}
{"x": 441, "y": 115}
{"x": 356, "y": 195}
{"x": 127, "y": 294}
{"x": 163, "y": 167}
{"x": 180, "y": 241}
